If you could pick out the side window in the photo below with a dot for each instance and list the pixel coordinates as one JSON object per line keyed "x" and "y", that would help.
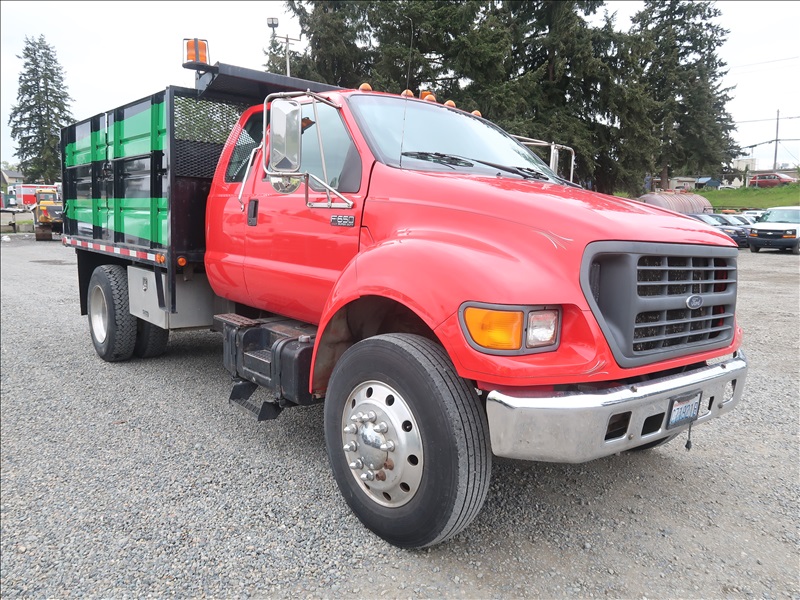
{"x": 342, "y": 162}
{"x": 250, "y": 138}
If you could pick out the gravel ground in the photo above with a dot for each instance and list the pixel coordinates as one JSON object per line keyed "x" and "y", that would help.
{"x": 139, "y": 480}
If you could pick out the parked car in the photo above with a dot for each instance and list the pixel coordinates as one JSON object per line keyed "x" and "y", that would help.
{"x": 738, "y": 233}
{"x": 766, "y": 180}
{"x": 754, "y": 214}
{"x": 735, "y": 220}
{"x": 777, "y": 228}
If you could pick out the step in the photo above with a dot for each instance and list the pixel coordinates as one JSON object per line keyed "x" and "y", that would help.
{"x": 261, "y": 410}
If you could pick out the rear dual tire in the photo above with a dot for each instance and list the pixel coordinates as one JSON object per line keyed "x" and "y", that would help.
{"x": 111, "y": 324}
{"x": 117, "y": 335}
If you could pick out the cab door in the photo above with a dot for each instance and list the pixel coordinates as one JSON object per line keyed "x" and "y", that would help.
{"x": 294, "y": 252}
{"x": 225, "y": 210}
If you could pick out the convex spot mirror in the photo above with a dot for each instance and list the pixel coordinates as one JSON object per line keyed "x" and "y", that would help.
{"x": 284, "y": 138}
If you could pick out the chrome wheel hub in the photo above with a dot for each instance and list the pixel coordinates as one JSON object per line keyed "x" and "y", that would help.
{"x": 98, "y": 314}
{"x": 382, "y": 444}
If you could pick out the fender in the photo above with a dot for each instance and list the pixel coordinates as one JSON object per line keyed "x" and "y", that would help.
{"x": 432, "y": 272}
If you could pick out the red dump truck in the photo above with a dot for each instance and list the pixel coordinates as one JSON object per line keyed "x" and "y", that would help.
{"x": 27, "y": 195}
{"x": 420, "y": 271}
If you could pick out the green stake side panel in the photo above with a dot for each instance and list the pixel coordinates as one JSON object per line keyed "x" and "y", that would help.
{"x": 137, "y": 176}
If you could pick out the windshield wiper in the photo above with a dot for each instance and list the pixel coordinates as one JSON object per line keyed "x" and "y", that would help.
{"x": 461, "y": 161}
{"x": 440, "y": 158}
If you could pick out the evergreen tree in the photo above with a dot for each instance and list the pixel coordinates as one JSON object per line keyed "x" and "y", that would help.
{"x": 683, "y": 74}
{"x": 536, "y": 68}
{"x": 338, "y": 41}
{"x": 42, "y": 109}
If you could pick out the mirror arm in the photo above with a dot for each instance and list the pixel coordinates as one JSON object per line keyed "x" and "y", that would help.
{"x": 345, "y": 202}
{"x": 247, "y": 174}
{"x": 321, "y": 155}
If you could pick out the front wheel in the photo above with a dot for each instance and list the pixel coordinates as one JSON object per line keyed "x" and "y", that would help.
{"x": 407, "y": 439}
{"x": 754, "y": 248}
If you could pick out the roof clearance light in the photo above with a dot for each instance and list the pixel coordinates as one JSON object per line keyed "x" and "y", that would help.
{"x": 365, "y": 87}
{"x": 407, "y": 93}
{"x": 450, "y": 103}
{"x": 430, "y": 98}
{"x": 477, "y": 113}
{"x": 195, "y": 53}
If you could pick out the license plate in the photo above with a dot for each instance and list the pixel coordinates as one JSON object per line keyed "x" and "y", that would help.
{"x": 683, "y": 410}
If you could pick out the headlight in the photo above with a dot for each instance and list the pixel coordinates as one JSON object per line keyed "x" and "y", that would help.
{"x": 510, "y": 329}
{"x": 729, "y": 231}
{"x": 542, "y": 328}
{"x": 790, "y": 233}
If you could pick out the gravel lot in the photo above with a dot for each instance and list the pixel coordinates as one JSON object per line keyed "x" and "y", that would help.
{"x": 139, "y": 480}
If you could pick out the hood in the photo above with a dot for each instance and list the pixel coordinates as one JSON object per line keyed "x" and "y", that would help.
{"x": 569, "y": 215}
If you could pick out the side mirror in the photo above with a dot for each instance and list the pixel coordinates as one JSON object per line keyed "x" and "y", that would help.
{"x": 284, "y": 138}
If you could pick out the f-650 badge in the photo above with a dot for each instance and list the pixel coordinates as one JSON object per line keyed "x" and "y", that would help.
{"x": 343, "y": 220}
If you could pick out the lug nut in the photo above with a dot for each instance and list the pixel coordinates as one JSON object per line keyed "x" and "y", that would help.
{"x": 368, "y": 476}
{"x": 381, "y": 427}
{"x": 350, "y": 447}
{"x": 370, "y": 416}
{"x": 388, "y": 446}
{"x": 352, "y": 428}
{"x": 356, "y": 464}
{"x": 380, "y": 476}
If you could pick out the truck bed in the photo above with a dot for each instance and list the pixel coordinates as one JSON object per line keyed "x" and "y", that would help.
{"x": 136, "y": 178}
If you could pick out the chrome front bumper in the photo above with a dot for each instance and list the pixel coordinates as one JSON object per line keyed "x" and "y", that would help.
{"x": 573, "y": 427}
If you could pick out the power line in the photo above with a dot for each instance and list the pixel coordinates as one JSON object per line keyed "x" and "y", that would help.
{"x": 763, "y": 120}
{"x": 765, "y": 62}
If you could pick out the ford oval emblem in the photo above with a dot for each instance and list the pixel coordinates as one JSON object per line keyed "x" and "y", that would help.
{"x": 694, "y": 302}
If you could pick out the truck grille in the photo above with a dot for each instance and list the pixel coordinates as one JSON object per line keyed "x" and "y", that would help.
{"x": 769, "y": 234}
{"x": 659, "y": 301}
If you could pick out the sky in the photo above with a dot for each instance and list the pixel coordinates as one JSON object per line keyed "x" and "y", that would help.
{"x": 139, "y": 50}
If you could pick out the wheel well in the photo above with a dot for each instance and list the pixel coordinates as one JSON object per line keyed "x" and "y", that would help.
{"x": 87, "y": 263}
{"x": 363, "y": 318}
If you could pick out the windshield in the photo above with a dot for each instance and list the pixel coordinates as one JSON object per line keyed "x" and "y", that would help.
{"x": 425, "y": 136}
{"x": 707, "y": 219}
{"x": 719, "y": 219}
{"x": 778, "y": 215}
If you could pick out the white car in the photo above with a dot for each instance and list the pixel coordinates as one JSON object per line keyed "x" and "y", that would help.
{"x": 753, "y": 213}
{"x": 777, "y": 228}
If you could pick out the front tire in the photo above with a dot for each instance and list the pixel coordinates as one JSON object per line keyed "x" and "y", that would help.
{"x": 407, "y": 439}
{"x": 754, "y": 248}
{"x": 111, "y": 324}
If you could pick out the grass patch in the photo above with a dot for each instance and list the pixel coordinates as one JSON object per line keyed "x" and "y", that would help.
{"x": 752, "y": 198}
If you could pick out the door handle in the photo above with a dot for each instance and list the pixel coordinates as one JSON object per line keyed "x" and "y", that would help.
{"x": 252, "y": 212}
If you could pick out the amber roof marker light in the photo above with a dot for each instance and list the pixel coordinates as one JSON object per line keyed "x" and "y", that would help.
{"x": 195, "y": 54}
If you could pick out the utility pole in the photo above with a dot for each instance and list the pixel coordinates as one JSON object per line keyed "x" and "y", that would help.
{"x": 775, "y": 158}
{"x": 272, "y": 23}
{"x": 288, "y": 41}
